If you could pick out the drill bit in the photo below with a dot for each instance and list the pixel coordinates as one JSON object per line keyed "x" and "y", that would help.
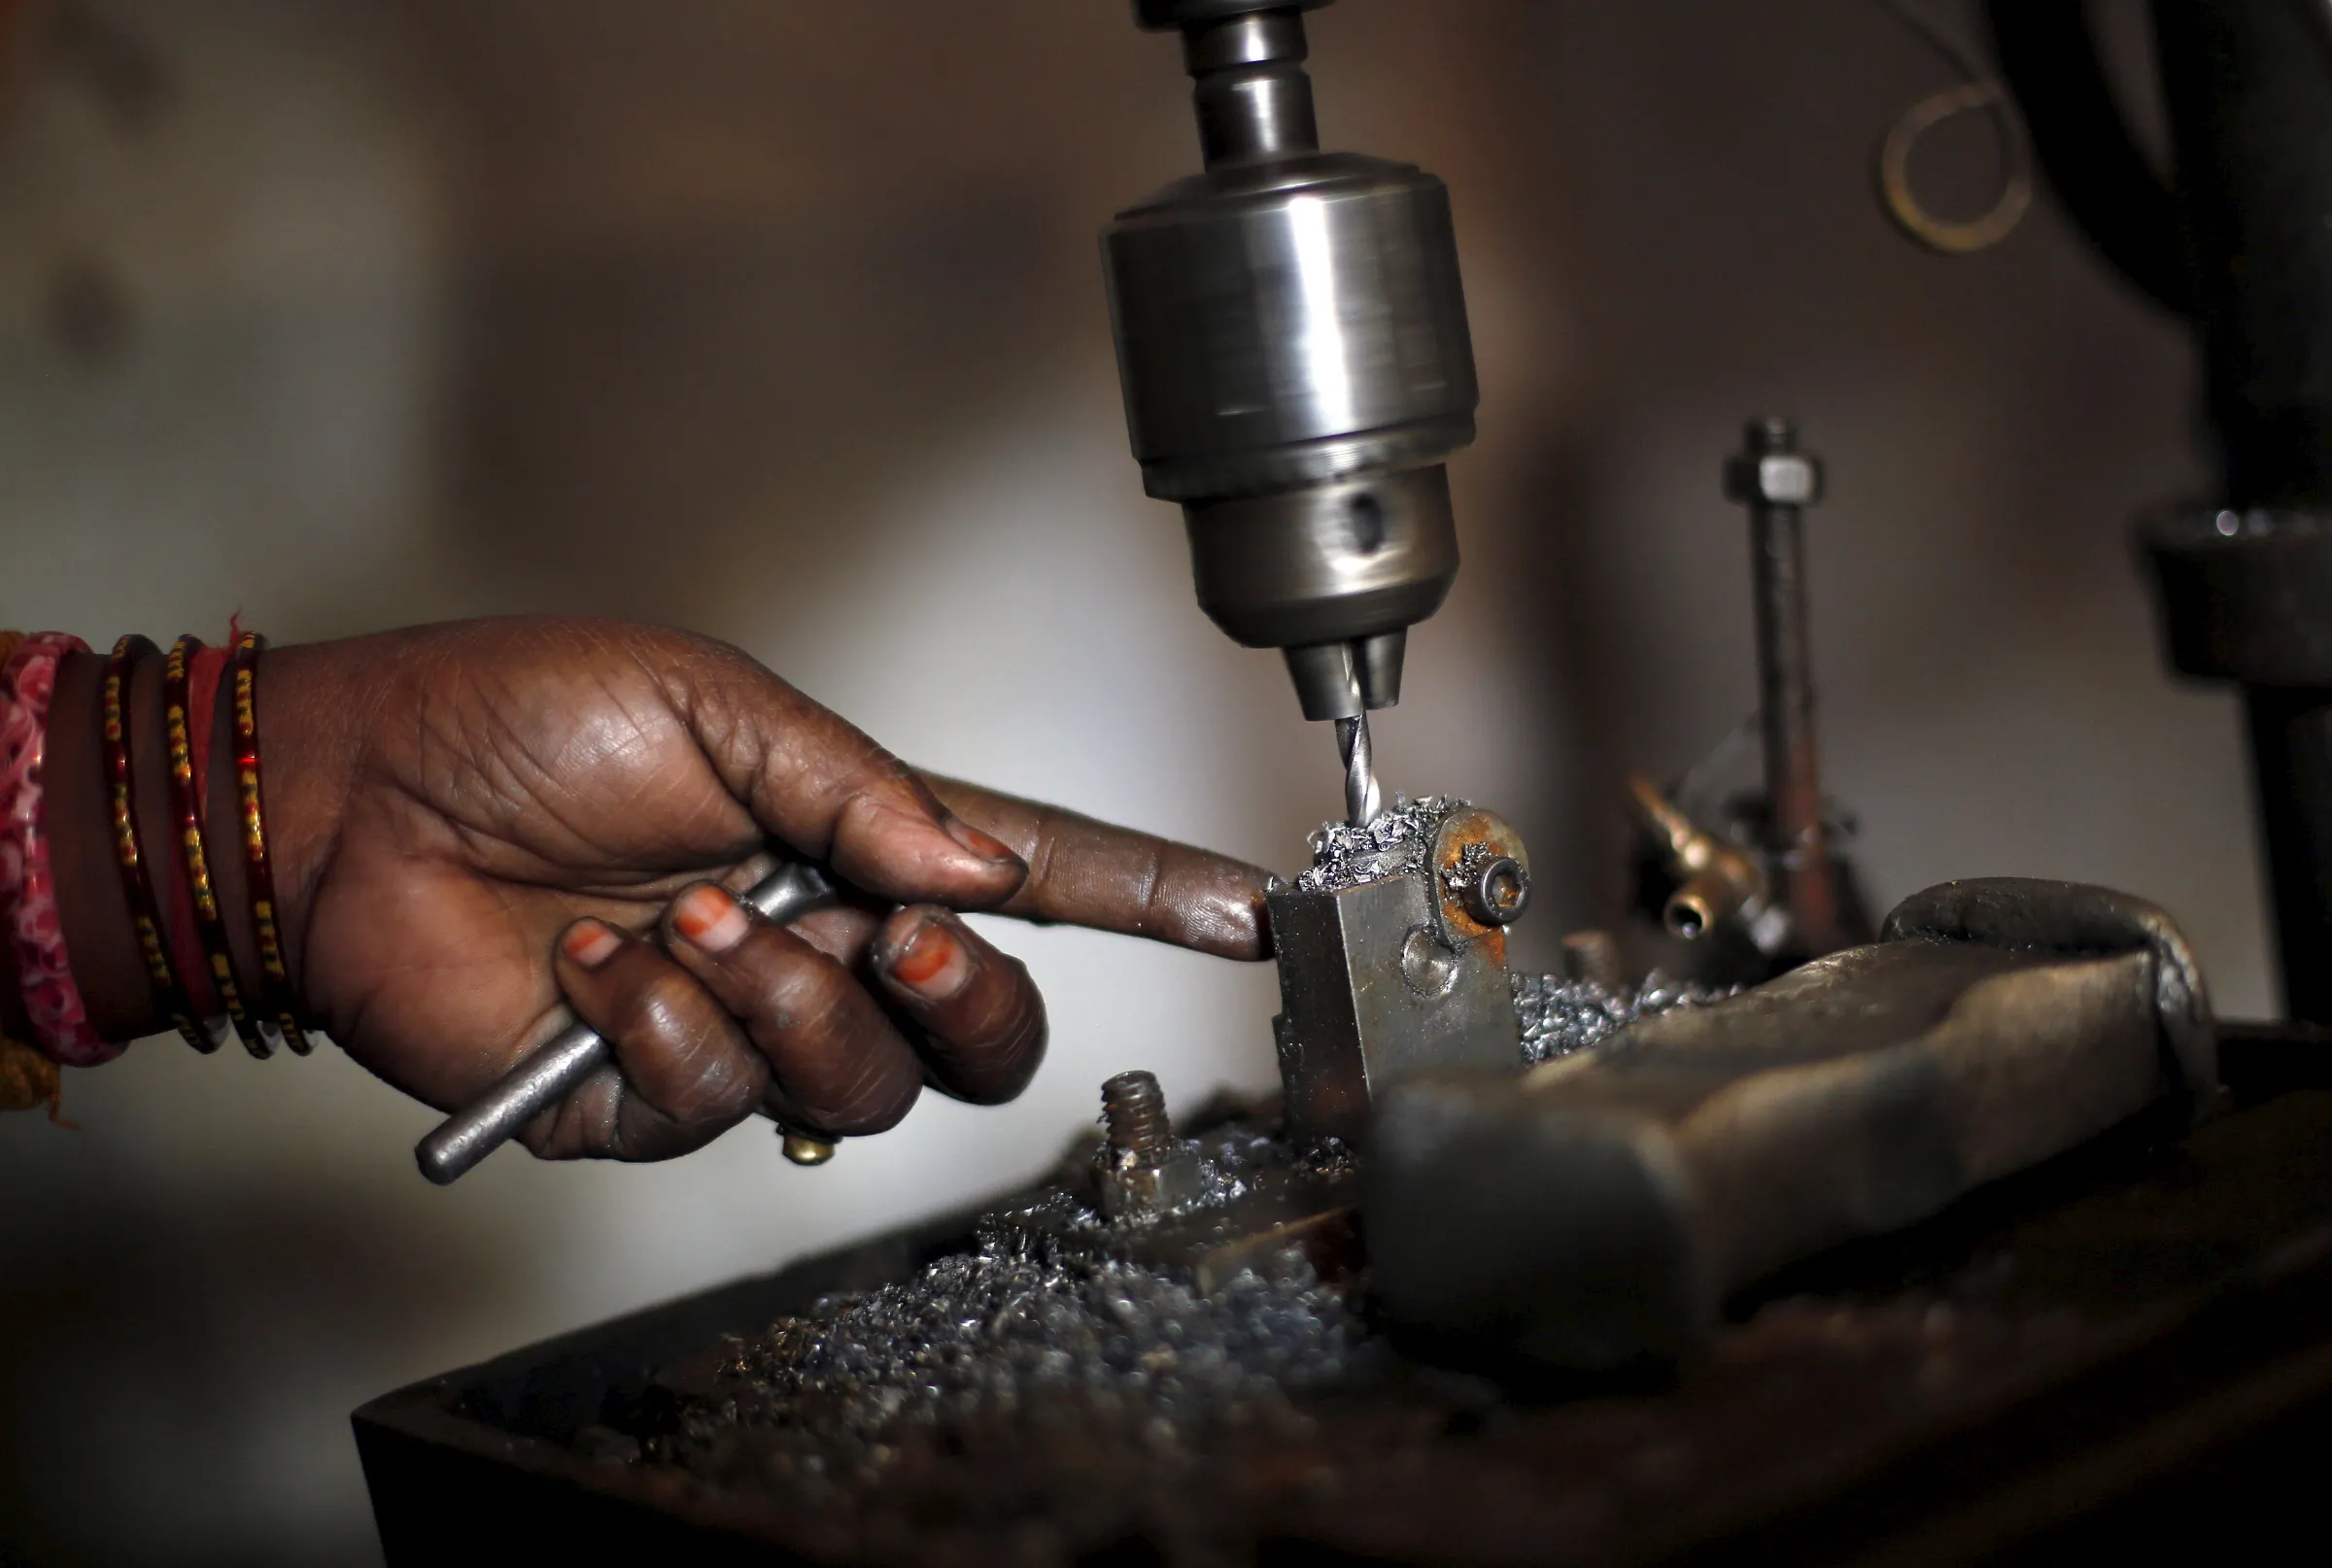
{"x": 1362, "y": 800}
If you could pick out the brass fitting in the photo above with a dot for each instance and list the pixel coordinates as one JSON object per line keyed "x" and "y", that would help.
{"x": 1719, "y": 879}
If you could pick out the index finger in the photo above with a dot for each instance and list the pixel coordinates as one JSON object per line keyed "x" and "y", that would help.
{"x": 1086, "y": 873}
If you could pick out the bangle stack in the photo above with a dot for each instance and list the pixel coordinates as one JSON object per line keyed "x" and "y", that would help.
{"x": 177, "y": 917}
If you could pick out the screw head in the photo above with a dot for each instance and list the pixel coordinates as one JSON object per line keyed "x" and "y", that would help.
{"x": 1498, "y": 891}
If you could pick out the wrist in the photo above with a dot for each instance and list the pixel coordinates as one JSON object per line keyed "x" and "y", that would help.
{"x": 314, "y": 705}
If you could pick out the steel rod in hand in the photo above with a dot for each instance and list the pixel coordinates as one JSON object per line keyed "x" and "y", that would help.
{"x": 554, "y": 1068}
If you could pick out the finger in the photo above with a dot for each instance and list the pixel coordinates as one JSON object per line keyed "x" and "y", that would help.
{"x": 981, "y": 1015}
{"x": 838, "y": 1063}
{"x": 1085, "y": 873}
{"x": 689, "y": 1070}
{"x": 819, "y": 783}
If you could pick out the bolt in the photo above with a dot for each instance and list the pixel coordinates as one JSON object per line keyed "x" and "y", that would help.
{"x": 1133, "y": 1109}
{"x": 1777, "y": 481}
{"x": 1143, "y": 1170}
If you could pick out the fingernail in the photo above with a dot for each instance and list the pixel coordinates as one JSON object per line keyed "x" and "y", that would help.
{"x": 590, "y": 942}
{"x": 710, "y": 919}
{"x": 980, "y": 843}
{"x": 931, "y": 963}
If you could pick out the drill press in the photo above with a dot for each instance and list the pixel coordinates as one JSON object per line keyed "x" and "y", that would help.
{"x": 1292, "y": 342}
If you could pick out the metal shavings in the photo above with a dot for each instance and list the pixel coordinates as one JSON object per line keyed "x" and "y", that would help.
{"x": 967, "y": 1392}
{"x": 1007, "y": 1326}
{"x": 1397, "y": 841}
{"x": 1010, "y": 1392}
{"x": 1468, "y": 873}
{"x": 1559, "y": 1015}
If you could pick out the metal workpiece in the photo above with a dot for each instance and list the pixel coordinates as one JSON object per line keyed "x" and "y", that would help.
{"x": 555, "y": 1069}
{"x": 1292, "y": 344}
{"x": 1594, "y": 1212}
{"x": 1389, "y": 966}
{"x": 1142, "y": 1170}
{"x": 1776, "y": 482}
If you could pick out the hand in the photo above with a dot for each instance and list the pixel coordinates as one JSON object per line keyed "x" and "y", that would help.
{"x": 474, "y": 821}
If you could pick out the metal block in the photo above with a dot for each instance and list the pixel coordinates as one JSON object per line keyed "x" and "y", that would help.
{"x": 1388, "y": 967}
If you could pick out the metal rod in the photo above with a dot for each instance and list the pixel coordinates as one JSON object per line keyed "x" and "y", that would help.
{"x": 553, "y": 1070}
{"x": 1785, "y": 681}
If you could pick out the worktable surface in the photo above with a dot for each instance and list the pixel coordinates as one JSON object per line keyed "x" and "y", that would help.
{"x": 2130, "y": 1346}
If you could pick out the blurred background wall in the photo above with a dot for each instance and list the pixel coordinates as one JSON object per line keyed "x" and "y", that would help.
{"x": 784, "y": 321}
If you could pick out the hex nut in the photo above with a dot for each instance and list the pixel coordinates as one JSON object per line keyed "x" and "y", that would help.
{"x": 1774, "y": 479}
{"x": 1127, "y": 1188}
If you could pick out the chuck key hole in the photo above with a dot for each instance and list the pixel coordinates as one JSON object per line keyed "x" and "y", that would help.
{"x": 1365, "y": 516}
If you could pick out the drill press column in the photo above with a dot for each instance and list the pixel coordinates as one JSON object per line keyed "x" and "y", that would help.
{"x": 1293, "y": 341}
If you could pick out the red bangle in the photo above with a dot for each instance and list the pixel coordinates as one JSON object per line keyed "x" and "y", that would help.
{"x": 52, "y": 1000}
{"x": 186, "y": 807}
{"x": 137, "y": 884}
{"x": 277, "y": 999}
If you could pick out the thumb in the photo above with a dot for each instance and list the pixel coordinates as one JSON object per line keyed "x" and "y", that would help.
{"x": 817, "y": 783}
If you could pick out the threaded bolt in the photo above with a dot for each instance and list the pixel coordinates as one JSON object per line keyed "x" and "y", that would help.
{"x": 1133, "y": 1112}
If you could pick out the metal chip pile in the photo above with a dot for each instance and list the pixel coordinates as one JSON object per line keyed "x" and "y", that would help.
{"x": 1027, "y": 1392}
{"x": 1397, "y": 841}
{"x": 1559, "y": 1016}
{"x": 1000, "y": 1331}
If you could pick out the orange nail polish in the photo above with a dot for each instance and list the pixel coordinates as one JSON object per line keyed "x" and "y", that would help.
{"x": 933, "y": 964}
{"x": 590, "y": 942}
{"x": 709, "y": 918}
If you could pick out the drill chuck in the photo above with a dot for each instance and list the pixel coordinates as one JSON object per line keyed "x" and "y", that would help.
{"x": 1292, "y": 342}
